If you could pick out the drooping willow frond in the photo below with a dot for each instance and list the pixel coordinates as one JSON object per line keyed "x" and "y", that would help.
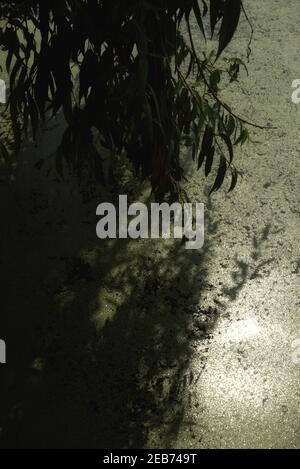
{"x": 141, "y": 82}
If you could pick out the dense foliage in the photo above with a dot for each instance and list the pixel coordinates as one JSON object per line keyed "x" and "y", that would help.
{"x": 142, "y": 83}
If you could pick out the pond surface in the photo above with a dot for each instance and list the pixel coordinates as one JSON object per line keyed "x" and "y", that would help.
{"x": 142, "y": 343}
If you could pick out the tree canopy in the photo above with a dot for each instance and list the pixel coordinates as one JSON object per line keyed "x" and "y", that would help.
{"x": 143, "y": 83}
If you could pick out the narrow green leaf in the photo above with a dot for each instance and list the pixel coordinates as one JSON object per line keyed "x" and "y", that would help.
{"x": 234, "y": 178}
{"x": 244, "y": 135}
{"x": 231, "y": 16}
{"x": 220, "y": 174}
{"x": 209, "y": 161}
{"x": 198, "y": 16}
{"x": 230, "y": 125}
{"x": 215, "y": 14}
{"x": 206, "y": 145}
{"x": 229, "y": 145}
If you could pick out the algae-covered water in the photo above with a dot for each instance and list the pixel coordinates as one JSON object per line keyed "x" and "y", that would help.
{"x": 142, "y": 343}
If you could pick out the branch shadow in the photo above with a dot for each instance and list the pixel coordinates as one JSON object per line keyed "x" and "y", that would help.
{"x": 99, "y": 333}
{"x": 254, "y": 269}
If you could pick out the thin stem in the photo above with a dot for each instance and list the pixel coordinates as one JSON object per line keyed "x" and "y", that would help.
{"x": 252, "y": 31}
{"x": 221, "y": 103}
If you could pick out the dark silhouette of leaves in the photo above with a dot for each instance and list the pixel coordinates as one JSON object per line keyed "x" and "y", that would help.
{"x": 220, "y": 174}
{"x": 128, "y": 87}
{"x": 231, "y": 16}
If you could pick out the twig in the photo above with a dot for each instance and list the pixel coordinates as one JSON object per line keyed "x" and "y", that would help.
{"x": 221, "y": 103}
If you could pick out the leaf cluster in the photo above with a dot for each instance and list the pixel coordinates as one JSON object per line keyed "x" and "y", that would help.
{"x": 141, "y": 82}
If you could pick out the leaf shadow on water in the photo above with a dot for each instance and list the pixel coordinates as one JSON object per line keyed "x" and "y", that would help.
{"x": 99, "y": 333}
{"x": 246, "y": 271}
